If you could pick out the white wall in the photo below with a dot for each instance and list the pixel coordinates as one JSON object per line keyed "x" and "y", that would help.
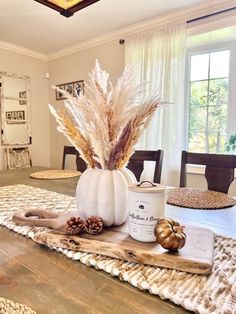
{"x": 35, "y": 69}
{"x": 76, "y": 67}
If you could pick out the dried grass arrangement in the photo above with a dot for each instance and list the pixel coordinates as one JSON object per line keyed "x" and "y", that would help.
{"x": 105, "y": 124}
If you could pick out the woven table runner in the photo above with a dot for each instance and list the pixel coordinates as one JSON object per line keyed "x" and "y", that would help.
{"x": 55, "y": 174}
{"x": 11, "y": 307}
{"x": 199, "y": 199}
{"x": 215, "y": 293}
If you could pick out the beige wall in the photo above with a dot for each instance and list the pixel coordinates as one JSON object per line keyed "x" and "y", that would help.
{"x": 35, "y": 69}
{"x": 76, "y": 67}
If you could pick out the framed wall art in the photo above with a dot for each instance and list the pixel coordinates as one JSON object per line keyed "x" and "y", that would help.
{"x": 15, "y": 117}
{"x": 73, "y": 88}
{"x": 24, "y": 96}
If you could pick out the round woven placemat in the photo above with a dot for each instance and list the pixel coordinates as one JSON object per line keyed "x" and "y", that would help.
{"x": 199, "y": 199}
{"x": 55, "y": 174}
{"x": 11, "y": 307}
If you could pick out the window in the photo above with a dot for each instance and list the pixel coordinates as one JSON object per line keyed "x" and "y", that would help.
{"x": 208, "y": 100}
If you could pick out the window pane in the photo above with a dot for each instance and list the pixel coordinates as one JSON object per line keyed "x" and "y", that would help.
{"x": 207, "y": 143}
{"x": 199, "y": 67}
{"x": 219, "y": 64}
{"x": 208, "y": 103}
{"x": 199, "y": 91}
{"x": 207, "y": 129}
{"x": 218, "y": 92}
{"x": 197, "y": 120}
{"x": 197, "y": 143}
{"x": 217, "y": 119}
{"x": 216, "y": 143}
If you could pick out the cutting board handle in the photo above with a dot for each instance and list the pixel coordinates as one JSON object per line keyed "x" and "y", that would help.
{"x": 35, "y": 217}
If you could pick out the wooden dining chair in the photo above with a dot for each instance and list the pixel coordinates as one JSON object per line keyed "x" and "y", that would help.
{"x": 219, "y": 171}
{"x": 80, "y": 163}
{"x": 136, "y": 163}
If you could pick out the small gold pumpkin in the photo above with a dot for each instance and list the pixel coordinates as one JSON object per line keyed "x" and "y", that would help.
{"x": 169, "y": 234}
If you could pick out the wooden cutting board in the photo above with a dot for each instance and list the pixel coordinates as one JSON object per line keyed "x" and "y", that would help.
{"x": 195, "y": 257}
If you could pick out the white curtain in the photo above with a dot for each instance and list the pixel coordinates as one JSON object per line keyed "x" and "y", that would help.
{"x": 160, "y": 59}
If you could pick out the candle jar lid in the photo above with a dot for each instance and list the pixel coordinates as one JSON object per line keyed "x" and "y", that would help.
{"x": 147, "y": 187}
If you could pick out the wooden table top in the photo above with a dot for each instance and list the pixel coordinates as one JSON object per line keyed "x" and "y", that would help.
{"x": 49, "y": 282}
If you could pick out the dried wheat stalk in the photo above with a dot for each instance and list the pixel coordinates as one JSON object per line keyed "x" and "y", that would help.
{"x": 105, "y": 125}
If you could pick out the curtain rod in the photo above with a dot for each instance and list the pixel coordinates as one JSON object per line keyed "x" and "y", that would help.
{"x": 209, "y": 15}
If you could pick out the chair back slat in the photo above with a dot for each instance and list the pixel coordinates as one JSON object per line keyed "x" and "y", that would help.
{"x": 136, "y": 163}
{"x": 80, "y": 163}
{"x": 214, "y": 160}
{"x": 219, "y": 171}
{"x": 68, "y": 150}
{"x": 219, "y": 178}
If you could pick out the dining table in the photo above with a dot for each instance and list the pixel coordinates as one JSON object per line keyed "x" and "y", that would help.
{"x": 49, "y": 282}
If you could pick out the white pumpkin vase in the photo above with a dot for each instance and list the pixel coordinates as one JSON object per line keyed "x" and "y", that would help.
{"x": 103, "y": 193}
{"x": 104, "y": 125}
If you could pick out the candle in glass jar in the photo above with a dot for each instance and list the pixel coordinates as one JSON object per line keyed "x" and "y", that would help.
{"x": 146, "y": 203}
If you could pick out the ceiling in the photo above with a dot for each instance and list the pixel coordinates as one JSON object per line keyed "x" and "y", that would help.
{"x": 31, "y": 25}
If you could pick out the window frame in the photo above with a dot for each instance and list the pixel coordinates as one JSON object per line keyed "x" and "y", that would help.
{"x": 231, "y": 106}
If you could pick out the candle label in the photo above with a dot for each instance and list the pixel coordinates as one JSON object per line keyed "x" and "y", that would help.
{"x": 144, "y": 213}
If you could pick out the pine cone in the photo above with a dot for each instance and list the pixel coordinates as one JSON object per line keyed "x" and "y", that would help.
{"x": 75, "y": 225}
{"x": 93, "y": 225}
